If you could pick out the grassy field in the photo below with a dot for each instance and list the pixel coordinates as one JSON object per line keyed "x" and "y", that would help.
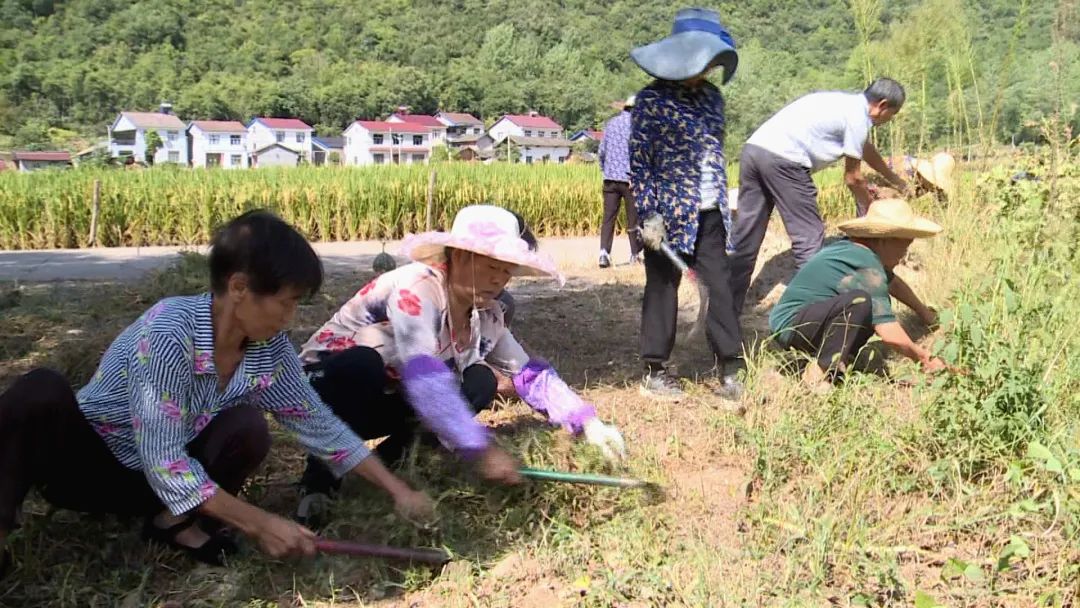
{"x": 174, "y": 206}
{"x": 960, "y": 491}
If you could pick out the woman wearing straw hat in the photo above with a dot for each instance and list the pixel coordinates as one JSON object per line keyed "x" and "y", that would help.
{"x": 926, "y": 176}
{"x": 842, "y": 295}
{"x": 935, "y": 175}
{"x": 678, "y": 173}
{"x": 416, "y": 347}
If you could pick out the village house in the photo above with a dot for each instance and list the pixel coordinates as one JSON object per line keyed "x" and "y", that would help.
{"x": 218, "y": 143}
{"x": 460, "y": 123}
{"x": 291, "y": 133}
{"x": 328, "y": 150}
{"x": 275, "y": 155}
{"x": 435, "y": 126}
{"x": 26, "y": 161}
{"x": 531, "y": 138}
{"x": 586, "y": 135}
{"x": 127, "y": 136}
{"x": 383, "y": 142}
{"x": 466, "y": 136}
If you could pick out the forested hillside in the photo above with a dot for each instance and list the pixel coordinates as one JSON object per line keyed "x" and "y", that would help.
{"x": 66, "y": 68}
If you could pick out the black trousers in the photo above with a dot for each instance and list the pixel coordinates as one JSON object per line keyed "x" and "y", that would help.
{"x": 832, "y": 330}
{"x": 659, "y": 309}
{"x": 615, "y": 191}
{"x": 355, "y": 386}
{"x": 46, "y": 443}
{"x": 766, "y": 181}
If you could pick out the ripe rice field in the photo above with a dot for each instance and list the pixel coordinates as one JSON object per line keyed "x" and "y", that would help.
{"x": 176, "y": 206}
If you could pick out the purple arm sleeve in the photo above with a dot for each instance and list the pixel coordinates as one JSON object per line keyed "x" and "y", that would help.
{"x": 542, "y": 388}
{"x": 435, "y": 394}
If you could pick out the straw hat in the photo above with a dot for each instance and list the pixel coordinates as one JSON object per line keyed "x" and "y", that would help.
{"x": 890, "y": 218}
{"x": 487, "y": 230}
{"x": 938, "y": 170}
{"x": 697, "y": 39}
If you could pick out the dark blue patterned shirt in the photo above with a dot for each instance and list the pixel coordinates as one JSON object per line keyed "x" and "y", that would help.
{"x": 676, "y": 132}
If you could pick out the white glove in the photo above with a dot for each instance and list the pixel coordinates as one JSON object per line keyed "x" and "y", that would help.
{"x": 653, "y": 232}
{"x": 607, "y": 438}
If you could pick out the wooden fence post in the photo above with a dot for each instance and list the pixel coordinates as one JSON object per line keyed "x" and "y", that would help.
{"x": 430, "y": 198}
{"x": 95, "y": 209}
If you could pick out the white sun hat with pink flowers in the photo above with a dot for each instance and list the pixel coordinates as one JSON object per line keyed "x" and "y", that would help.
{"x": 487, "y": 230}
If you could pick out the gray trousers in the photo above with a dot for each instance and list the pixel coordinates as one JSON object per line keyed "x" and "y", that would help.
{"x": 766, "y": 181}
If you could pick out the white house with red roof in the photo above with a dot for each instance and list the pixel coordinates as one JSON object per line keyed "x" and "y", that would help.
{"x": 127, "y": 135}
{"x": 291, "y": 133}
{"x": 438, "y": 129}
{"x": 218, "y": 143}
{"x": 531, "y": 138}
{"x": 381, "y": 142}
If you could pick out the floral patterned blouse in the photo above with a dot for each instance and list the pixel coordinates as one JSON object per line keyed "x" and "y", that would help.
{"x": 677, "y": 142}
{"x": 405, "y": 314}
{"x": 156, "y": 389}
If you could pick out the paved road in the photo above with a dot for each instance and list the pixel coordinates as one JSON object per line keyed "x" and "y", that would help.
{"x": 130, "y": 263}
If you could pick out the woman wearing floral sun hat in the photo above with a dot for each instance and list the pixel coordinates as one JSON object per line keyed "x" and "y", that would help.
{"x": 416, "y": 347}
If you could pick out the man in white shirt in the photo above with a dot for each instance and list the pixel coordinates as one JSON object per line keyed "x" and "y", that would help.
{"x": 777, "y": 162}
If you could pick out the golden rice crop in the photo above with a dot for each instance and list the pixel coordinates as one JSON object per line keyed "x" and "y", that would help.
{"x": 175, "y": 206}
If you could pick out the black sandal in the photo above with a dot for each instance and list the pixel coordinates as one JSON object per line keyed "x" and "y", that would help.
{"x": 212, "y": 552}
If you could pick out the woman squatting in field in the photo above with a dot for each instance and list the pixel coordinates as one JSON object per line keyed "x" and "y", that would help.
{"x": 416, "y": 347}
{"x": 172, "y": 423}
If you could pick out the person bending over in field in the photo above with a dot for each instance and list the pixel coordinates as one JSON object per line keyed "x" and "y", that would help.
{"x": 172, "y": 423}
{"x": 417, "y": 346}
{"x": 841, "y": 296}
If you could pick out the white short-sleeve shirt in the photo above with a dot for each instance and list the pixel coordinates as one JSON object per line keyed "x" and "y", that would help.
{"x": 817, "y": 129}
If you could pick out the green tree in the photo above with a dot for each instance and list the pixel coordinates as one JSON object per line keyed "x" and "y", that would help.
{"x": 153, "y": 144}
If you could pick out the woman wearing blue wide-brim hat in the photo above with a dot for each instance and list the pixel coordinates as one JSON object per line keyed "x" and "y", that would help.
{"x": 678, "y": 175}
{"x": 698, "y": 41}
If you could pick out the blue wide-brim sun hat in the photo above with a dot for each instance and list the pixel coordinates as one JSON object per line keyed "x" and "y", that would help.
{"x": 697, "y": 38}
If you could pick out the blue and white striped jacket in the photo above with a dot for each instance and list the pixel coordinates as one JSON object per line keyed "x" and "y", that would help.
{"x": 156, "y": 390}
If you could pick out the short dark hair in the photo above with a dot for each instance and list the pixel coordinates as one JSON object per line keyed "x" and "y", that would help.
{"x": 524, "y": 232}
{"x": 887, "y": 89}
{"x": 269, "y": 251}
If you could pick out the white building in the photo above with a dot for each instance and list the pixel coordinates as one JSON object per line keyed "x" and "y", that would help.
{"x": 460, "y": 123}
{"x": 328, "y": 150}
{"x": 275, "y": 155}
{"x": 531, "y": 138}
{"x": 291, "y": 133}
{"x": 127, "y": 136}
{"x": 382, "y": 142}
{"x": 218, "y": 143}
{"x": 36, "y": 161}
{"x": 434, "y": 125}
